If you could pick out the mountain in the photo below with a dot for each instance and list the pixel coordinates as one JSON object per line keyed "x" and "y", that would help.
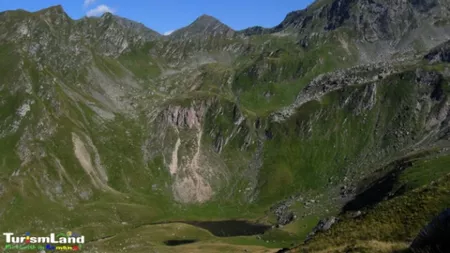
{"x": 380, "y": 28}
{"x": 205, "y": 26}
{"x": 330, "y": 128}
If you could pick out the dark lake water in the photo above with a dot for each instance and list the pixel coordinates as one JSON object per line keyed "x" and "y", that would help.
{"x": 226, "y": 228}
{"x": 178, "y": 242}
{"x": 230, "y": 228}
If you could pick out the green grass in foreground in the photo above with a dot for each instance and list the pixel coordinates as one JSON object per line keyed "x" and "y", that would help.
{"x": 397, "y": 220}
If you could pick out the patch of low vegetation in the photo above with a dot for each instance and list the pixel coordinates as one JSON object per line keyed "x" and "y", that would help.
{"x": 396, "y": 221}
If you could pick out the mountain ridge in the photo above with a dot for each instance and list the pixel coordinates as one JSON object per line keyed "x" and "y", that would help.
{"x": 298, "y": 19}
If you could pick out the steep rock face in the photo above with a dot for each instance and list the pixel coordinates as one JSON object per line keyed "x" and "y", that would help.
{"x": 338, "y": 13}
{"x": 429, "y": 83}
{"x": 295, "y": 20}
{"x": 380, "y": 28}
{"x": 439, "y": 54}
{"x": 115, "y": 35}
{"x": 424, "y": 5}
{"x": 181, "y": 117}
{"x": 51, "y": 28}
{"x": 383, "y": 28}
{"x": 187, "y": 159}
{"x": 201, "y": 141}
{"x": 329, "y": 82}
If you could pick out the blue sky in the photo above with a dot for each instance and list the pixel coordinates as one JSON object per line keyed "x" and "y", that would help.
{"x": 168, "y": 15}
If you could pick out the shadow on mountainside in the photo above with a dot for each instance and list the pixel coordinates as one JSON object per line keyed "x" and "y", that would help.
{"x": 381, "y": 189}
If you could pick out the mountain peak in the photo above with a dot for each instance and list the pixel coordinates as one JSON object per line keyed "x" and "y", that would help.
{"x": 206, "y": 18}
{"x": 54, "y": 14}
{"x": 204, "y": 24}
{"x": 135, "y": 30}
{"x": 107, "y": 15}
{"x": 205, "y": 21}
{"x": 56, "y": 9}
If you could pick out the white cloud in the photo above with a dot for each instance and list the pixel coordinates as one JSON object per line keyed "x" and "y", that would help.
{"x": 99, "y": 10}
{"x": 88, "y": 2}
{"x": 169, "y": 32}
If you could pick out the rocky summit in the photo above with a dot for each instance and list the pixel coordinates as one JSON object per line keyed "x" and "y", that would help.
{"x": 329, "y": 132}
